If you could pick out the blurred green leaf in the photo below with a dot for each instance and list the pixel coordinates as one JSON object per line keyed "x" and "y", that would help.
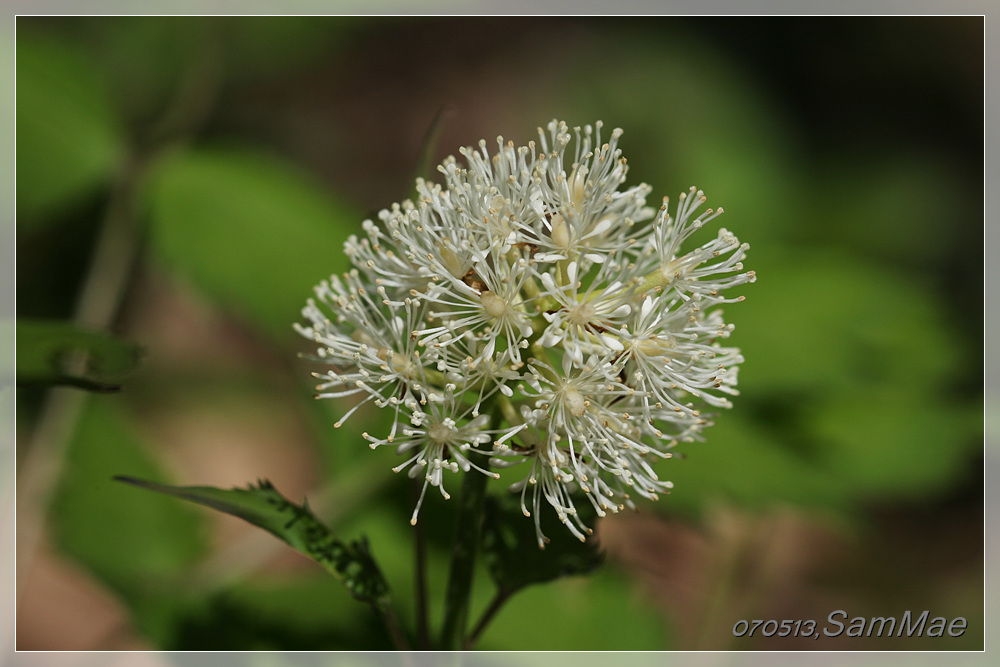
{"x": 602, "y": 612}
{"x": 893, "y": 443}
{"x": 904, "y": 207}
{"x": 49, "y": 351}
{"x": 139, "y": 549}
{"x": 384, "y": 518}
{"x": 272, "y": 46}
{"x": 264, "y": 507}
{"x": 146, "y": 58}
{"x": 692, "y": 119}
{"x": 828, "y": 321}
{"x": 68, "y": 139}
{"x": 845, "y": 391}
{"x": 745, "y": 462}
{"x": 251, "y": 231}
{"x": 848, "y": 359}
{"x": 510, "y": 546}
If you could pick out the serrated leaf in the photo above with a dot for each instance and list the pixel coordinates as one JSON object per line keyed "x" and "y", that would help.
{"x": 263, "y": 506}
{"x": 510, "y": 547}
{"x": 60, "y": 353}
{"x": 251, "y": 231}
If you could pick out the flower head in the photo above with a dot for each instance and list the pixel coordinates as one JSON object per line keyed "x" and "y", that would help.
{"x": 532, "y": 312}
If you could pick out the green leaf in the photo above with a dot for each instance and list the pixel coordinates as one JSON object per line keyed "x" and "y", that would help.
{"x": 148, "y": 60}
{"x": 903, "y": 206}
{"x": 50, "y": 353}
{"x": 749, "y": 463}
{"x": 510, "y": 547}
{"x": 264, "y": 47}
{"x": 911, "y": 446}
{"x": 139, "y": 549}
{"x": 853, "y": 388}
{"x": 838, "y": 330}
{"x": 296, "y": 525}
{"x": 68, "y": 139}
{"x": 308, "y": 611}
{"x": 596, "y": 613}
{"x": 252, "y": 232}
{"x": 724, "y": 137}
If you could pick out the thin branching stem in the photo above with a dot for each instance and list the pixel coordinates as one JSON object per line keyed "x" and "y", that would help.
{"x": 498, "y": 601}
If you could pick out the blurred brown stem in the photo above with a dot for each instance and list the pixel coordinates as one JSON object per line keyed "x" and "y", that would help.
{"x": 101, "y": 296}
{"x": 97, "y": 305}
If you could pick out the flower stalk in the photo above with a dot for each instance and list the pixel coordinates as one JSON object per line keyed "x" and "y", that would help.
{"x": 465, "y": 546}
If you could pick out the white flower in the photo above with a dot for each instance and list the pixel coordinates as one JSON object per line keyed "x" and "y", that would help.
{"x": 488, "y": 306}
{"x": 534, "y": 301}
{"x": 673, "y": 355}
{"x": 371, "y": 343}
{"x": 438, "y": 440}
{"x": 706, "y": 271}
{"x": 585, "y": 313}
{"x": 590, "y": 435}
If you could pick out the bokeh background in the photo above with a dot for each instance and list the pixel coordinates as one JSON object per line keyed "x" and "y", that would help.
{"x": 183, "y": 182}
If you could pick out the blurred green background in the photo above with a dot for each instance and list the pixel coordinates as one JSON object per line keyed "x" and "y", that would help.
{"x": 183, "y": 182}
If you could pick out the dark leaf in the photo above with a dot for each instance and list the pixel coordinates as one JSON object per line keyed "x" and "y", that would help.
{"x": 60, "y": 353}
{"x": 511, "y": 550}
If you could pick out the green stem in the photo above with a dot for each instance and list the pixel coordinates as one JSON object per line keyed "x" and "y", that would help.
{"x": 463, "y": 555}
{"x": 657, "y": 278}
{"x": 508, "y": 411}
{"x": 426, "y": 166}
{"x": 501, "y": 597}
{"x": 395, "y": 632}
{"x": 423, "y": 631}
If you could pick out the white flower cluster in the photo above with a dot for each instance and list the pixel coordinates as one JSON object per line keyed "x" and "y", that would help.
{"x": 523, "y": 310}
